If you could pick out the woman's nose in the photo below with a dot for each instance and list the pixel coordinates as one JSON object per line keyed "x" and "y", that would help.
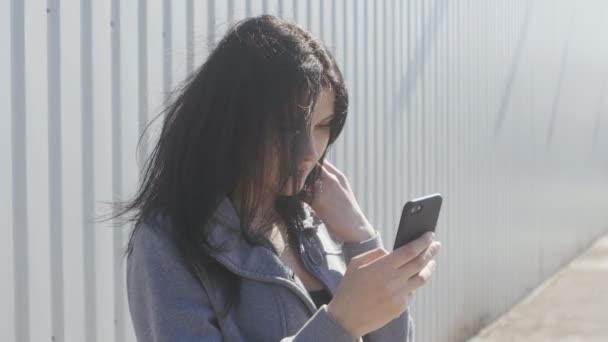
{"x": 310, "y": 153}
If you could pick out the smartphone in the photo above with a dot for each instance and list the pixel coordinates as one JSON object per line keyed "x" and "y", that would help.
{"x": 418, "y": 216}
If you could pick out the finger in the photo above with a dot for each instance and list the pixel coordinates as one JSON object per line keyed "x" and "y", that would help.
{"x": 420, "y": 262}
{"x": 367, "y": 257}
{"x": 328, "y": 172}
{"x": 406, "y": 253}
{"x": 328, "y": 175}
{"x": 332, "y": 170}
{"x": 423, "y": 277}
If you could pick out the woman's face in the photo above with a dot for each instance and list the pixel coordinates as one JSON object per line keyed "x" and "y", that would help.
{"x": 318, "y": 138}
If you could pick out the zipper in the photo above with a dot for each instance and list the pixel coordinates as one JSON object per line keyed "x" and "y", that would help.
{"x": 305, "y": 260}
{"x": 291, "y": 283}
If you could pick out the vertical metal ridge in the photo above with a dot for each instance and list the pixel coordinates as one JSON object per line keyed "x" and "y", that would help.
{"x": 339, "y": 56}
{"x": 346, "y": 79}
{"x": 55, "y": 170}
{"x": 19, "y": 173}
{"x": 416, "y": 184}
{"x": 408, "y": 104}
{"x": 423, "y": 98}
{"x": 395, "y": 118}
{"x": 88, "y": 176}
{"x": 231, "y": 10}
{"x": 557, "y": 96}
{"x": 423, "y": 136}
{"x": 308, "y": 15}
{"x": 167, "y": 51}
{"x": 321, "y": 21}
{"x": 189, "y": 36}
{"x": 117, "y": 167}
{"x": 142, "y": 82}
{"x": 401, "y": 176}
{"x": 281, "y": 9}
{"x": 377, "y": 133}
{"x": 448, "y": 221}
{"x": 383, "y": 215}
{"x": 458, "y": 169}
{"x": 366, "y": 190}
{"x": 211, "y": 24}
{"x": 356, "y": 120}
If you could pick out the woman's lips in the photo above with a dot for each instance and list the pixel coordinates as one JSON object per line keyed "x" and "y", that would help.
{"x": 303, "y": 170}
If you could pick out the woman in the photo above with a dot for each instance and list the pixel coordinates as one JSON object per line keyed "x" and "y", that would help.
{"x": 243, "y": 231}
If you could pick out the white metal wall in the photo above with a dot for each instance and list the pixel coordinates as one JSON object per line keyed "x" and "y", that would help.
{"x": 498, "y": 105}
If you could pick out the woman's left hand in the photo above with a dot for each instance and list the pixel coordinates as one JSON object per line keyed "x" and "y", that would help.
{"x": 334, "y": 202}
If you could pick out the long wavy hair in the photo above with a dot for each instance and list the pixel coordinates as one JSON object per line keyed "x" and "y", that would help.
{"x": 242, "y": 115}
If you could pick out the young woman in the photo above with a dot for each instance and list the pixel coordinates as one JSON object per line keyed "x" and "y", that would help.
{"x": 243, "y": 231}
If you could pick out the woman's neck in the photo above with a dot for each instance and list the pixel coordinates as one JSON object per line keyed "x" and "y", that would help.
{"x": 277, "y": 234}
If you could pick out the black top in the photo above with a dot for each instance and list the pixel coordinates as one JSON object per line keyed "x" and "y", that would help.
{"x": 320, "y": 297}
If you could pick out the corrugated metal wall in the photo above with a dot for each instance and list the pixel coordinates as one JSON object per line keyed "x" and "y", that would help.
{"x": 499, "y": 105}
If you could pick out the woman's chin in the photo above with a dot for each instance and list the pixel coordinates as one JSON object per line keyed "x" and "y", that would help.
{"x": 288, "y": 189}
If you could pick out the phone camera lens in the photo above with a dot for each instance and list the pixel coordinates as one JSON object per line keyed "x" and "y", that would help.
{"x": 416, "y": 209}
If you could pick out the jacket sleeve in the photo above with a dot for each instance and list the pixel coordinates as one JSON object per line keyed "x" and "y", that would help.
{"x": 168, "y": 304}
{"x": 402, "y": 327}
{"x": 321, "y": 327}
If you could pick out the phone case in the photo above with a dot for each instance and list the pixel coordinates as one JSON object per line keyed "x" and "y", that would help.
{"x": 418, "y": 216}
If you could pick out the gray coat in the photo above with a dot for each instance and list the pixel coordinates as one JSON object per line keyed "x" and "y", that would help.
{"x": 168, "y": 304}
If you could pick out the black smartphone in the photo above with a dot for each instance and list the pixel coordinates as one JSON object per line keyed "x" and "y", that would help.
{"x": 418, "y": 216}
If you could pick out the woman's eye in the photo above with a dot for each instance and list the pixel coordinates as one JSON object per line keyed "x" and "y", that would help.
{"x": 323, "y": 126}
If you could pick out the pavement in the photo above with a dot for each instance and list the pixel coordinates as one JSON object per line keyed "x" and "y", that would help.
{"x": 570, "y": 306}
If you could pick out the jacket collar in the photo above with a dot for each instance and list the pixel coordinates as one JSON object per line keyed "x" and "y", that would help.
{"x": 236, "y": 253}
{"x": 256, "y": 261}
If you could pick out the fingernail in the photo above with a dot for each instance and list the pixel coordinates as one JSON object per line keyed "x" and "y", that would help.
{"x": 437, "y": 248}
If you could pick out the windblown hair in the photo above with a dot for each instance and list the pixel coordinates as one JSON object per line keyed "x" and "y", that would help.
{"x": 239, "y": 117}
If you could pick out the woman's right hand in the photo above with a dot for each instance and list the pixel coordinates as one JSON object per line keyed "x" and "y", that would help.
{"x": 377, "y": 286}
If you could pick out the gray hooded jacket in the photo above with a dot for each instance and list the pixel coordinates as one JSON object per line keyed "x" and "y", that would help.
{"x": 168, "y": 304}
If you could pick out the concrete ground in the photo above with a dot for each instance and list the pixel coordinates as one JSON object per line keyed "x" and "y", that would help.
{"x": 570, "y": 306}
